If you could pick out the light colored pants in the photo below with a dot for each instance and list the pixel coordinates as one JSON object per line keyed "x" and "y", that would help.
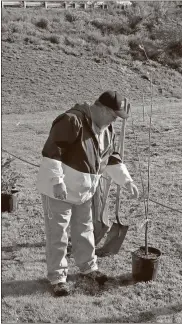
{"x": 58, "y": 216}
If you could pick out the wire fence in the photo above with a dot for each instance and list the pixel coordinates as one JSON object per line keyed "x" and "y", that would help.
{"x": 150, "y": 199}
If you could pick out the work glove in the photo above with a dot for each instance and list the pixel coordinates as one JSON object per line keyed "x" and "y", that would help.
{"x": 132, "y": 189}
{"x": 60, "y": 191}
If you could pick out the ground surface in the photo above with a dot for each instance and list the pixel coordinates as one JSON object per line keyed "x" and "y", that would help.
{"x": 36, "y": 86}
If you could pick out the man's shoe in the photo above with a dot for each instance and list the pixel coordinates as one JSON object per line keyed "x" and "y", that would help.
{"x": 61, "y": 289}
{"x": 97, "y": 276}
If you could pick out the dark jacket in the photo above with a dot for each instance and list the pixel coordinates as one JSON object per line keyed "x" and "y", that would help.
{"x": 74, "y": 154}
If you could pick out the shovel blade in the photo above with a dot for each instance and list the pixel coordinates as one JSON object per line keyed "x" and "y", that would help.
{"x": 113, "y": 241}
{"x": 100, "y": 209}
{"x": 100, "y": 229}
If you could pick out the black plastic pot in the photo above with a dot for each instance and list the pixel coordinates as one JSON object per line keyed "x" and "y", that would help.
{"x": 9, "y": 201}
{"x": 145, "y": 267}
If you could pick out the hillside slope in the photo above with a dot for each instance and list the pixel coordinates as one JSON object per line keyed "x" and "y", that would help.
{"x": 50, "y": 59}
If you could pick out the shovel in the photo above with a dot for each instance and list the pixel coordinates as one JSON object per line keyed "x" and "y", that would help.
{"x": 100, "y": 209}
{"x": 116, "y": 234}
{"x": 118, "y": 231}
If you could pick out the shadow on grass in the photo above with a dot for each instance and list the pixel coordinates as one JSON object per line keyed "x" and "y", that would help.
{"x": 89, "y": 287}
{"x": 125, "y": 279}
{"x": 144, "y": 317}
{"x": 153, "y": 313}
{"x": 122, "y": 280}
{"x": 23, "y": 245}
{"x": 29, "y": 245}
{"x": 25, "y": 287}
{"x": 75, "y": 281}
{"x": 42, "y": 286}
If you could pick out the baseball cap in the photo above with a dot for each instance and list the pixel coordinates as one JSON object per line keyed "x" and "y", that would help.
{"x": 113, "y": 100}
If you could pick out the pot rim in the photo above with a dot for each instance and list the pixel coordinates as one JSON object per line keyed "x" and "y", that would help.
{"x": 151, "y": 249}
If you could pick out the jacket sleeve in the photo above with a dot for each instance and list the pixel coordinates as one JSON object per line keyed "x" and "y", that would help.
{"x": 117, "y": 170}
{"x": 65, "y": 130}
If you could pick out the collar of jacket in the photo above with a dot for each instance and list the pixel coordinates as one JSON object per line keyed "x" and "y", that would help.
{"x": 85, "y": 110}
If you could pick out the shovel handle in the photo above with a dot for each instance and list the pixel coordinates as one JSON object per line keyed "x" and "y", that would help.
{"x": 117, "y": 204}
{"x": 122, "y": 134}
{"x": 121, "y": 151}
{"x": 105, "y": 199}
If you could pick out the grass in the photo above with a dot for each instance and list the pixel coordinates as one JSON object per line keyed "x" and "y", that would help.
{"x": 41, "y": 80}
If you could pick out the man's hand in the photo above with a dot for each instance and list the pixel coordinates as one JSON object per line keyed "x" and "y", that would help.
{"x": 60, "y": 191}
{"x": 132, "y": 188}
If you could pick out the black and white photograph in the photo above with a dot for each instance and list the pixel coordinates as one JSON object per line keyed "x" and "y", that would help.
{"x": 91, "y": 161}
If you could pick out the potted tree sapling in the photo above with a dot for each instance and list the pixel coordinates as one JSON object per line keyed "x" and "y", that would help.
{"x": 9, "y": 192}
{"x": 145, "y": 260}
